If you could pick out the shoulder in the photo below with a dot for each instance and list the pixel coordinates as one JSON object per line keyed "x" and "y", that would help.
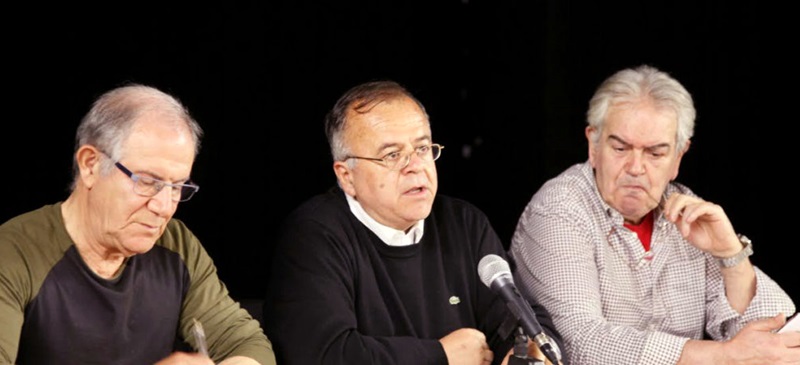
{"x": 177, "y": 232}
{"x": 574, "y": 188}
{"x": 178, "y": 238}
{"x": 461, "y": 221}
{"x": 567, "y": 204}
{"x": 322, "y": 206}
{"x": 30, "y": 245}
{"x": 321, "y": 221}
{"x": 324, "y": 214}
{"x": 448, "y": 207}
{"x": 43, "y": 217}
{"x": 39, "y": 234}
{"x": 443, "y": 202}
{"x": 676, "y": 187}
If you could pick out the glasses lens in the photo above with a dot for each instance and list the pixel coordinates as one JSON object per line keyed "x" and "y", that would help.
{"x": 187, "y": 191}
{"x": 146, "y": 186}
{"x": 399, "y": 163}
{"x": 436, "y": 151}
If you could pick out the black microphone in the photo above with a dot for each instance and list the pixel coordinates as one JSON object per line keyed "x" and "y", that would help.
{"x": 496, "y": 274}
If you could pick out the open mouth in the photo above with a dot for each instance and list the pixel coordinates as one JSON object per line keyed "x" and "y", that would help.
{"x": 416, "y": 190}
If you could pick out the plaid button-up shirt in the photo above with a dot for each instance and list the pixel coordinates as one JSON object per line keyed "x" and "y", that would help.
{"x": 613, "y": 302}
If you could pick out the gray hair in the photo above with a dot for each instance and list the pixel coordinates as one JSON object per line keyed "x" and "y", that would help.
{"x": 108, "y": 123}
{"x": 361, "y": 99}
{"x": 631, "y": 85}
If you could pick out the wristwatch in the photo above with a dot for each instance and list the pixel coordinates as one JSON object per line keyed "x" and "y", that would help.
{"x": 747, "y": 250}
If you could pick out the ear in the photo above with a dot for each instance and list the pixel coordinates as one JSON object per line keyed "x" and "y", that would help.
{"x": 677, "y": 165}
{"x": 88, "y": 159}
{"x": 590, "y": 131}
{"x": 345, "y": 177}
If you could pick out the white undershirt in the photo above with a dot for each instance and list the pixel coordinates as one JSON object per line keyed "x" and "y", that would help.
{"x": 389, "y": 235}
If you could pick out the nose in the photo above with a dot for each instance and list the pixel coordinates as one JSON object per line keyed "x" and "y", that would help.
{"x": 162, "y": 202}
{"x": 413, "y": 161}
{"x": 635, "y": 165}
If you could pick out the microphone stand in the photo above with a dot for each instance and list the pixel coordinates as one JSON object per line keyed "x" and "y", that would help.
{"x": 520, "y": 355}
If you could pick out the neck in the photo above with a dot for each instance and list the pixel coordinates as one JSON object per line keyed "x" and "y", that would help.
{"x": 102, "y": 260}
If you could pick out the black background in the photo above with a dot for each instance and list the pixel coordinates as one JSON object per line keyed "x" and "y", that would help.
{"x": 506, "y": 84}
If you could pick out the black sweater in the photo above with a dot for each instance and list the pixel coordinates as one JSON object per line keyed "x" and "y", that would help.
{"x": 339, "y": 295}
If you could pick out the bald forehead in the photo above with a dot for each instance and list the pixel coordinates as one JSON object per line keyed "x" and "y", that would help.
{"x": 390, "y": 122}
{"x": 366, "y": 105}
{"x": 398, "y": 109}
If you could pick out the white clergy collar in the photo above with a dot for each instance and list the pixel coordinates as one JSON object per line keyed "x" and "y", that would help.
{"x": 389, "y": 235}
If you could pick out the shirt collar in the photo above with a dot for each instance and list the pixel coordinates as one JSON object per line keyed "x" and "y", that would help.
{"x": 389, "y": 235}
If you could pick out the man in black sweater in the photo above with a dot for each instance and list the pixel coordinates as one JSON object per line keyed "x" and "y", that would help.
{"x": 379, "y": 269}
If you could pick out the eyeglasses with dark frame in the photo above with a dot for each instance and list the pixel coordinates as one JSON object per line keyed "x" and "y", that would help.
{"x": 150, "y": 186}
{"x": 397, "y": 161}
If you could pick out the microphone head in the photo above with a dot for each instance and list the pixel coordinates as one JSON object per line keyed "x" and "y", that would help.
{"x": 491, "y": 267}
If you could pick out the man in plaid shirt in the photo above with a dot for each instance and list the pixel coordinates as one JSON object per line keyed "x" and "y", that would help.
{"x": 633, "y": 267}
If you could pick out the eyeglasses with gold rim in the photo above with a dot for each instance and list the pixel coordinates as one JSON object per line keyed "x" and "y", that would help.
{"x": 397, "y": 161}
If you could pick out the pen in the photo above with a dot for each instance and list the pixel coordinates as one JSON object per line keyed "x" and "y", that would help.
{"x": 199, "y": 337}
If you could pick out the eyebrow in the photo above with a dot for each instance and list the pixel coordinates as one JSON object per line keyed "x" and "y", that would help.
{"x": 425, "y": 138}
{"x": 653, "y": 147}
{"x": 159, "y": 177}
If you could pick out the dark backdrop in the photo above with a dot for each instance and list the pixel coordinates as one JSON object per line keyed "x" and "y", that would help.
{"x": 506, "y": 84}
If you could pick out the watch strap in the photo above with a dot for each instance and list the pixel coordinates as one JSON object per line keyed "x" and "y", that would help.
{"x": 746, "y": 251}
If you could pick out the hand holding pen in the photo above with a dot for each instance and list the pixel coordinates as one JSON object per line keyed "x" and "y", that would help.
{"x": 200, "y": 357}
